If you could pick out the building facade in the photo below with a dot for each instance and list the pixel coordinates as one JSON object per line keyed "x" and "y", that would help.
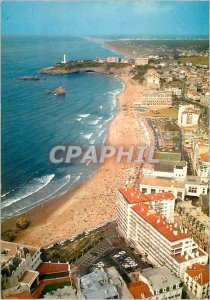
{"x": 141, "y": 61}
{"x": 190, "y": 186}
{"x": 196, "y": 280}
{"x": 195, "y": 221}
{"x": 188, "y": 115}
{"x": 154, "y": 98}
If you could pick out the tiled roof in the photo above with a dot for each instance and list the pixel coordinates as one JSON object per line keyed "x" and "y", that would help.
{"x": 170, "y": 231}
{"x": 139, "y": 290}
{"x": 46, "y": 268}
{"x": 132, "y": 196}
{"x": 199, "y": 273}
{"x": 204, "y": 157}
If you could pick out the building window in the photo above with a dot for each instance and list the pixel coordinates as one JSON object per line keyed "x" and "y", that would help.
{"x": 192, "y": 189}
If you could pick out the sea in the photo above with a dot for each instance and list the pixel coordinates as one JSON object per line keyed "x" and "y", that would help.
{"x": 33, "y": 122}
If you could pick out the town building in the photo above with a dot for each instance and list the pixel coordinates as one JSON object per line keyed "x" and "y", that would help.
{"x": 18, "y": 265}
{"x": 165, "y": 243}
{"x": 152, "y": 79}
{"x": 196, "y": 280}
{"x": 202, "y": 166}
{"x": 156, "y": 283}
{"x": 188, "y": 115}
{"x": 192, "y": 186}
{"x": 112, "y": 59}
{"x": 102, "y": 284}
{"x": 195, "y": 221}
{"x": 154, "y": 98}
{"x": 141, "y": 61}
{"x": 100, "y": 60}
{"x": 167, "y": 169}
{"x": 200, "y": 158}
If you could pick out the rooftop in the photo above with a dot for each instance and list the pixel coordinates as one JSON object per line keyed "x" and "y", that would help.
{"x": 159, "y": 181}
{"x": 28, "y": 277}
{"x": 139, "y": 290}
{"x": 204, "y": 157}
{"x": 170, "y": 231}
{"x": 96, "y": 286}
{"x": 199, "y": 273}
{"x": 133, "y": 196}
{"x": 160, "y": 278}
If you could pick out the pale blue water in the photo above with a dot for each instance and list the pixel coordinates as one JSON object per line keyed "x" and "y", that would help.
{"x": 32, "y": 123}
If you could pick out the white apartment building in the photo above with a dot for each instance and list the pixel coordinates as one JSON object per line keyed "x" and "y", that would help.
{"x": 141, "y": 61}
{"x": 196, "y": 280}
{"x": 154, "y": 98}
{"x": 190, "y": 186}
{"x": 18, "y": 265}
{"x": 164, "y": 242}
{"x": 156, "y": 284}
{"x": 188, "y": 115}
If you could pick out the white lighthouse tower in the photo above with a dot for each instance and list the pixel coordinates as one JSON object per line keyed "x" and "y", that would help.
{"x": 64, "y": 59}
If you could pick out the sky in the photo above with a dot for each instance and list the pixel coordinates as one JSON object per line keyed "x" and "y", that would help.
{"x": 97, "y": 18}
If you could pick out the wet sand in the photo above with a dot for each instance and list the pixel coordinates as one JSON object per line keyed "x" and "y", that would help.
{"x": 94, "y": 202}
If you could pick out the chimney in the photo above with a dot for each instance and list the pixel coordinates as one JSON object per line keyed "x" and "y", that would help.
{"x": 175, "y": 232}
{"x": 158, "y": 220}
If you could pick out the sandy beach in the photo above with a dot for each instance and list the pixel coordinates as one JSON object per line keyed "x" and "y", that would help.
{"x": 94, "y": 202}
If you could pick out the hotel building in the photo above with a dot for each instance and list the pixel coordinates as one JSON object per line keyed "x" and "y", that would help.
{"x": 196, "y": 280}
{"x": 165, "y": 243}
{"x": 154, "y": 98}
{"x": 188, "y": 115}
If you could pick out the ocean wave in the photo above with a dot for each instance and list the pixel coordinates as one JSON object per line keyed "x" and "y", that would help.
{"x": 45, "y": 198}
{"x": 101, "y": 106}
{"x": 101, "y": 132}
{"x": 30, "y": 189}
{"x": 94, "y": 122}
{"x": 88, "y": 135}
{"x": 83, "y": 115}
{"x": 92, "y": 142}
{"x": 79, "y": 119}
{"x": 2, "y": 196}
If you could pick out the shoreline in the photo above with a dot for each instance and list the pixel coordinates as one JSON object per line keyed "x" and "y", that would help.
{"x": 92, "y": 203}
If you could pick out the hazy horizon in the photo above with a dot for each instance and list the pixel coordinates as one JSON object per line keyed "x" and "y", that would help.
{"x": 100, "y": 18}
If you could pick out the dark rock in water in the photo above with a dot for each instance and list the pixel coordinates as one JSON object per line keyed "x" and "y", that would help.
{"x": 29, "y": 78}
{"x": 57, "y": 92}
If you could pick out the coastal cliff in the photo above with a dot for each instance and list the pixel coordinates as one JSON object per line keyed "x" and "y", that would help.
{"x": 86, "y": 66}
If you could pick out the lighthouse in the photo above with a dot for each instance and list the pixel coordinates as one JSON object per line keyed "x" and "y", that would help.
{"x": 64, "y": 59}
